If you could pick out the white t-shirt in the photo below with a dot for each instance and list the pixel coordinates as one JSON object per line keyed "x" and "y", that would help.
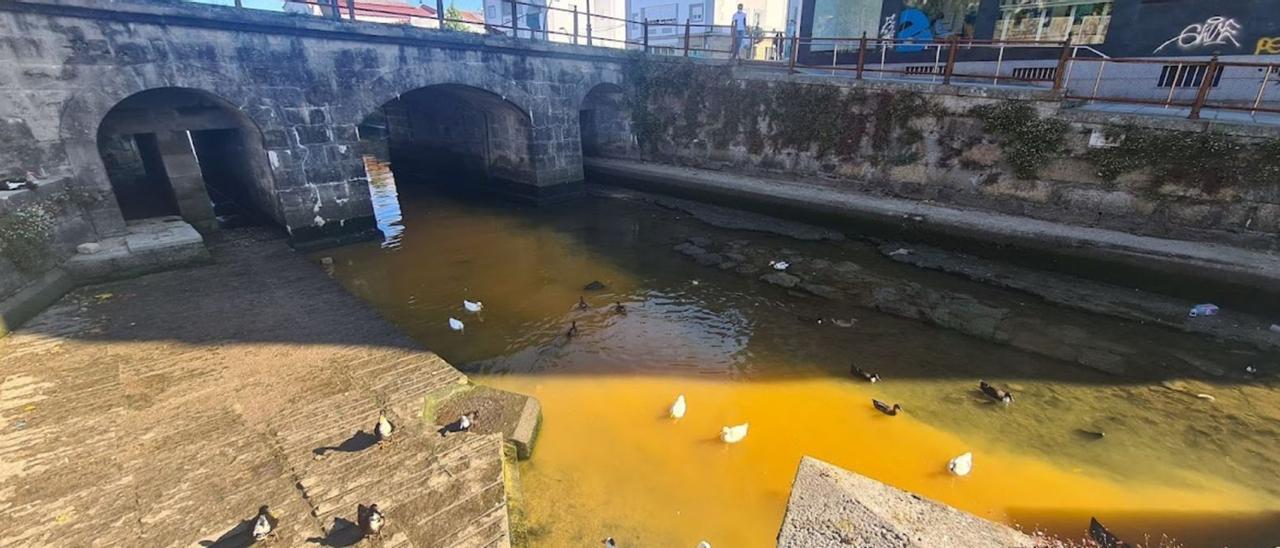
{"x": 740, "y": 21}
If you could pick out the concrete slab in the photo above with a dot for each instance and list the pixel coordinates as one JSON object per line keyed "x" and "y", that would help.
{"x": 833, "y": 507}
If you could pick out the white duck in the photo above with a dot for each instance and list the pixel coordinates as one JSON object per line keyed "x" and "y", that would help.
{"x": 472, "y": 307}
{"x": 733, "y": 434}
{"x": 780, "y": 265}
{"x": 961, "y": 465}
{"x": 456, "y": 324}
{"x": 678, "y": 408}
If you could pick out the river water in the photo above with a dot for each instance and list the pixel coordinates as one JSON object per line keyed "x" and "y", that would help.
{"x": 609, "y": 462}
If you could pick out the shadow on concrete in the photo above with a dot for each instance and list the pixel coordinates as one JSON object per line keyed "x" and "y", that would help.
{"x": 236, "y": 537}
{"x": 359, "y": 441}
{"x": 343, "y": 533}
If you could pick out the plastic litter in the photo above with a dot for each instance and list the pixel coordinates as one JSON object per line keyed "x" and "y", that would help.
{"x": 1203, "y": 310}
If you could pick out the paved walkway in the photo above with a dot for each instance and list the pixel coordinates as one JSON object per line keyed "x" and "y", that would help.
{"x": 164, "y": 410}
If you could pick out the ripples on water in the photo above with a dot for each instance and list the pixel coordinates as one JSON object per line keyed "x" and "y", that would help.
{"x": 608, "y": 463}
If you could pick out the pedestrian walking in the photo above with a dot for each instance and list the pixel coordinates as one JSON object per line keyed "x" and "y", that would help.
{"x": 739, "y": 32}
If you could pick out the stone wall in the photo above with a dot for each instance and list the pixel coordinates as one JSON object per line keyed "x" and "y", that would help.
{"x": 68, "y": 227}
{"x": 1014, "y": 152}
{"x": 302, "y": 83}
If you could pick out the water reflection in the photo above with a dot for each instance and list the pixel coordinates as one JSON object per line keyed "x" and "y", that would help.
{"x": 608, "y": 463}
{"x": 386, "y": 201}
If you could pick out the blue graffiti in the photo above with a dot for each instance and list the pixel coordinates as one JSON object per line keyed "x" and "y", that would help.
{"x": 914, "y": 26}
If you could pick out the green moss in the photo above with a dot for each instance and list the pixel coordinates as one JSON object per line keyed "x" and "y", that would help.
{"x": 675, "y": 102}
{"x": 25, "y": 234}
{"x": 1208, "y": 161}
{"x": 1028, "y": 141}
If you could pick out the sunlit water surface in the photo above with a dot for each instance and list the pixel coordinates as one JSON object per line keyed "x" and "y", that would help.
{"x": 610, "y": 463}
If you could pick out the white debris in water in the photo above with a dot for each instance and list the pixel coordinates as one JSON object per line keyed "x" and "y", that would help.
{"x": 1206, "y": 397}
{"x": 900, "y": 251}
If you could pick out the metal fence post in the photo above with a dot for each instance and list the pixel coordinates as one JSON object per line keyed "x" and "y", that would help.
{"x": 646, "y": 35}
{"x": 951, "y": 61}
{"x": 1061, "y": 71}
{"x": 1210, "y": 74}
{"x": 440, "y": 13}
{"x": 862, "y": 53}
{"x": 686, "y": 37}
{"x": 239, "y": 3}
{"x": 795, "y": 53}
{"x": 588, "y": 22}
{"x": 733, "y": 39}
{"x": 515, "y": 23}
{"x": 337, "y": 10}
{"x": 575, "y": 24}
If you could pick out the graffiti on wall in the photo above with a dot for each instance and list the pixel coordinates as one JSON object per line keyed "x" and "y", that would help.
{"x": 890, "y": 26}
{"x": 1268, "y": 45}
{"x": 1214, "y": 31}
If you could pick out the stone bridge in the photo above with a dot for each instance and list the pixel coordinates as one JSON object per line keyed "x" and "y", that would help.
{"x": 154, "y": 108}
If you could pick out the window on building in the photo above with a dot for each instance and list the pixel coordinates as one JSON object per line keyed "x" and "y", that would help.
{"x": 926, "y": 20}
{"x": 695, "y": 13}
{"x": 1053, "y": 20}
{"x": 844, "y": 19}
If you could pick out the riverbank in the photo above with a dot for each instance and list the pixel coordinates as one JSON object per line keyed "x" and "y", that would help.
{"x": 164, "y": 410}
{"x": 1235, "y": 275}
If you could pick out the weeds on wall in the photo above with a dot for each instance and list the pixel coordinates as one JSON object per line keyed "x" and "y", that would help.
{"x": 1207, "y": 161}
{"x": 25, "y": 234}
{"x": 1028, "y": 141}
{"x": 27, "y": 231}
{"x": 674, "y": 103}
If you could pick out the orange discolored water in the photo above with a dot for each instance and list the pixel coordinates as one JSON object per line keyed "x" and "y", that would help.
{"x": 609, "y": 463}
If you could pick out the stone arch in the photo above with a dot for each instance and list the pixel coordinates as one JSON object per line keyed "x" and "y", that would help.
{"x": 175, "y": 150}
{"x": 457, "y": 135}
{"x": 604, "y": 122}
{"x": 80, "y": 116}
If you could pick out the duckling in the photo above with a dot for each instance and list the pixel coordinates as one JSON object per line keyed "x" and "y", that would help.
{"x": 264, "y": 525}
{"x": 678, "y": 408}
{"x": 608, "y": 541}
{"x": 371, "y": 521}
{"x": 573, "y": 330}
{"x": 619, "y": 309}
{"x": 383, "y": 428}
{"x": 994, "y": 393}
{"x": 1251, "y": 370}
{"x": 866, "y": 375}
{"x": 885, "y": 408}
{"x": 733, "y": 434}
{"x": 582, "y": 303}
{"x": 961, "y": 465}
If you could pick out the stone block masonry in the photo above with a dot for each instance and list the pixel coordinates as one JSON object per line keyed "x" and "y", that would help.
{"x": 1007, "y": 151}
{"x": 297, "y": 87}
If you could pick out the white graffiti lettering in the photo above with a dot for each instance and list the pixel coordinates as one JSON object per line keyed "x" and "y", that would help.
{"x": 890, "y": 26}
{"x": 1214, "y": 31}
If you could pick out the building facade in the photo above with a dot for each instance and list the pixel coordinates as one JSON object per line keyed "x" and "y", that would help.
{"x": 709, "y": 22}
{"x": 1115, "y": 28}
{"x": 554, "y": 20}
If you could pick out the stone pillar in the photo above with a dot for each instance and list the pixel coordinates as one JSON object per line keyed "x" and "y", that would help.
{"x": 183, "y": 171}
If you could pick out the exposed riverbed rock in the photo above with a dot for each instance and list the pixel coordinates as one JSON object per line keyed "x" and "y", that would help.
{"x": 709, "y": 259}
{"x": 700, "y": 241}
{"x": 690, "y": 249}
{"x": 824, "y": 291}
{"x": 781, "y": 279}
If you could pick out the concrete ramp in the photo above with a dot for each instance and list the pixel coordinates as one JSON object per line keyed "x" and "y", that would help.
{"x": 831, "y": 506}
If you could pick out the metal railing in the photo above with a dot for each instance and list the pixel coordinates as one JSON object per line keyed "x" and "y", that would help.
{"x": 1079, "y": 72}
